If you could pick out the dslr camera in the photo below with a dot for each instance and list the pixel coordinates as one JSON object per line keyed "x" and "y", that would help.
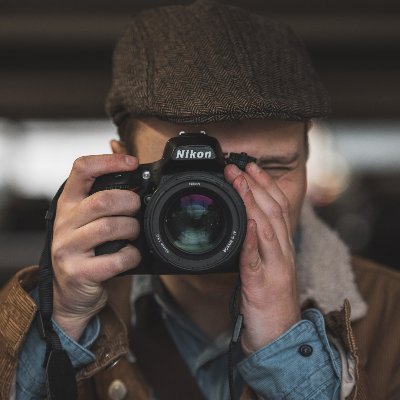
{"x": 192, "y": 221}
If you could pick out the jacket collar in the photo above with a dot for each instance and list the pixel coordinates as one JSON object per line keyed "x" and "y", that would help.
{"x": 325, "y": 274}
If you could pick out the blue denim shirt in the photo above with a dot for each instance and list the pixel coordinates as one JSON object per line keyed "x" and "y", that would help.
{"x": 280, "y": 370}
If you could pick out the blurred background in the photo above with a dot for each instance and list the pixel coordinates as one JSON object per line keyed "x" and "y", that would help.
{"x": 55, "y": 63}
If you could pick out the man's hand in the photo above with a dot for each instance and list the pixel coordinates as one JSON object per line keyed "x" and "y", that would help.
{"x": 269, "y": 300}
{"x": 82, "y": 223}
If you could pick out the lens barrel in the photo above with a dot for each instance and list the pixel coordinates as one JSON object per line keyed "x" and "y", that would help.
{"x": 195, "y": 221}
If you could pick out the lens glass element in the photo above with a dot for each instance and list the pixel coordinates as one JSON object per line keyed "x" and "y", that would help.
{"x": 194, "y": 223}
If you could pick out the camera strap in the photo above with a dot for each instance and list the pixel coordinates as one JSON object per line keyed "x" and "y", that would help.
{"x": 237, "y": 319}
{"x": 60, "y": 374}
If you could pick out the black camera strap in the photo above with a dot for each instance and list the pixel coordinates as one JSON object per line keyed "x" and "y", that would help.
{"x": 60, "y": 374}
{"x": 237, "y": 319}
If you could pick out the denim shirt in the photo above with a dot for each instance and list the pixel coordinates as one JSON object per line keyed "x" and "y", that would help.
{"x": 300, "y": 364}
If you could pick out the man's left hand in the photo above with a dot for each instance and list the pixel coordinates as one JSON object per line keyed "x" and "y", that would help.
{"x": 269, "y": 300}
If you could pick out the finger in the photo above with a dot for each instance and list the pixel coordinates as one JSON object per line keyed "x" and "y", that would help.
{"x": 86, "y": 169}
{"x": 260, "y": 182}
{"x": 252, "y": 274}
{"x": 269, "y": 245}
{"x": 106, "y": 203}
{"x": 266, "y": 182}
{"x": 269, "y": 213}
{"x": 250, "y": 259}
{"x": 102, "y": 268}
{"x": 103, "y": 230}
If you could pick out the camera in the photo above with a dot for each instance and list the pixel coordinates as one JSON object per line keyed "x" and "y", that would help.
{"x": 192, "y": 221}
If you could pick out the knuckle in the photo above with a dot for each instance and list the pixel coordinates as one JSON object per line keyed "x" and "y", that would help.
{"x": 101, "y": 201}
{"x": 58, "y": 252}
{"x": 268, "y": 233}
{"x": 67, "y": 275}
{"x": 131, "y": 257}
{"x": 255, "y": 262}
{"x": 276, "y": 210}
{"x": 119, "y": 262}
{"x": 81, "y": 164}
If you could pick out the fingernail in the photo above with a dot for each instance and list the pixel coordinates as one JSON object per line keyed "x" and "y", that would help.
{"x": 254, "y": 167}
{"x": 130, "y": 160}
{"x": 234, "y": 169}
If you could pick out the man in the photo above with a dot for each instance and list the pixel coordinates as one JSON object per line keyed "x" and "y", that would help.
{"x": 246, "y": 81}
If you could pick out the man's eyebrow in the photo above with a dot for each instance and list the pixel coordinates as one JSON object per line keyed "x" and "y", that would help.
{"x": 279, "y": 159}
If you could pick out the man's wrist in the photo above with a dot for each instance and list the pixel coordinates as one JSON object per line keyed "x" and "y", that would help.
{"x": 274, "y": 331}
{"x": 72, "y": 326}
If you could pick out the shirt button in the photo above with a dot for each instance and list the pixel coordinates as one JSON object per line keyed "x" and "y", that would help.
{"x": 305, "y": 350}
{"x": 117, "y": 390}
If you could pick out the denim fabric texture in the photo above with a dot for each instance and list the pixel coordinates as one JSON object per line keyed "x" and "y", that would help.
{"x": 30, "y": 372}
{"x": 280, "y": 371}
{"x": 276, "y": 371}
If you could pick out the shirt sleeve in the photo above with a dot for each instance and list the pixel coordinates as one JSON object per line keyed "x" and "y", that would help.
{"x": 300, "y": 364}
{"x": 30, "y": 375}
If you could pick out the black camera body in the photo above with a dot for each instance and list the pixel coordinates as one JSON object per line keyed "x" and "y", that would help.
{"x": 192, "y": 221}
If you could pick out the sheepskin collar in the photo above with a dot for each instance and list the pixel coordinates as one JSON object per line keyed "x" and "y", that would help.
{"x": 325, "y": 273}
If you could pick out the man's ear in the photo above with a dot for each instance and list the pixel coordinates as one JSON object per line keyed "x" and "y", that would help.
{"x": 118, "y": 147}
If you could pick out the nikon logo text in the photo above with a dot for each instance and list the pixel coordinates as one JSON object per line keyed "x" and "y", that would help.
{"x": 193, "y": 154}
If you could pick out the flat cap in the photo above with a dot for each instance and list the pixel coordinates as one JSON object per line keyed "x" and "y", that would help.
{"x": 210, "y": 62}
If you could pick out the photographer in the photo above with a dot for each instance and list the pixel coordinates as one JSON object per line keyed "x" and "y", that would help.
{"x": 246, "y": 81}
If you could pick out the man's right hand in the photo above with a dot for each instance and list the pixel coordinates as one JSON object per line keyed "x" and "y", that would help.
{"x": 82, "y": 223}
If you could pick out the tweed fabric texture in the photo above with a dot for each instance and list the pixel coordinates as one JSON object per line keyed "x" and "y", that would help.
{"x": 210, "y": 62}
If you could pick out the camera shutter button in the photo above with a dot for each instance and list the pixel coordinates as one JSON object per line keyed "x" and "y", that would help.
{"x": 146, "y": 175}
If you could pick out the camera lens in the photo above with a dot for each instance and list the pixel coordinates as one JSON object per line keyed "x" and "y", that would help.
{"x": 194, "y": 223}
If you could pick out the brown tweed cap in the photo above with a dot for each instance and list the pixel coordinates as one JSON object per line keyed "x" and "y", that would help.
{"x": 211, "y": 62}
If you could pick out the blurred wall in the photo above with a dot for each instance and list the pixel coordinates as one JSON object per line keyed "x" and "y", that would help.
{"x": 55, "y": 56}
{"x": 56, "y": 65}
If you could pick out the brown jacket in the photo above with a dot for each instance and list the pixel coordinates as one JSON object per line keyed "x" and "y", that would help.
{"x": 374, "y": 340}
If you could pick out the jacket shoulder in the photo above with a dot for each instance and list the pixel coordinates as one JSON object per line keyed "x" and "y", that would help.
{"x": 380, "y": 288}
{"x": 17, "y": 307}
{"x": 368, "y": 272}
{"x": 17, "y": 311}
{"x": 378, "y": 332}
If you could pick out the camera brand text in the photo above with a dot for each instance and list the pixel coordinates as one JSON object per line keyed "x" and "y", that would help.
{"x": 231, "y": 240}
{"x": 193, "y": 152}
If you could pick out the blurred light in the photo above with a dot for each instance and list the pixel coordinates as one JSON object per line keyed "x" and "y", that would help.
{"x": 368, "y": 146}
{"x": 37, "y": 156}
{"x": 328, "y": 172}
